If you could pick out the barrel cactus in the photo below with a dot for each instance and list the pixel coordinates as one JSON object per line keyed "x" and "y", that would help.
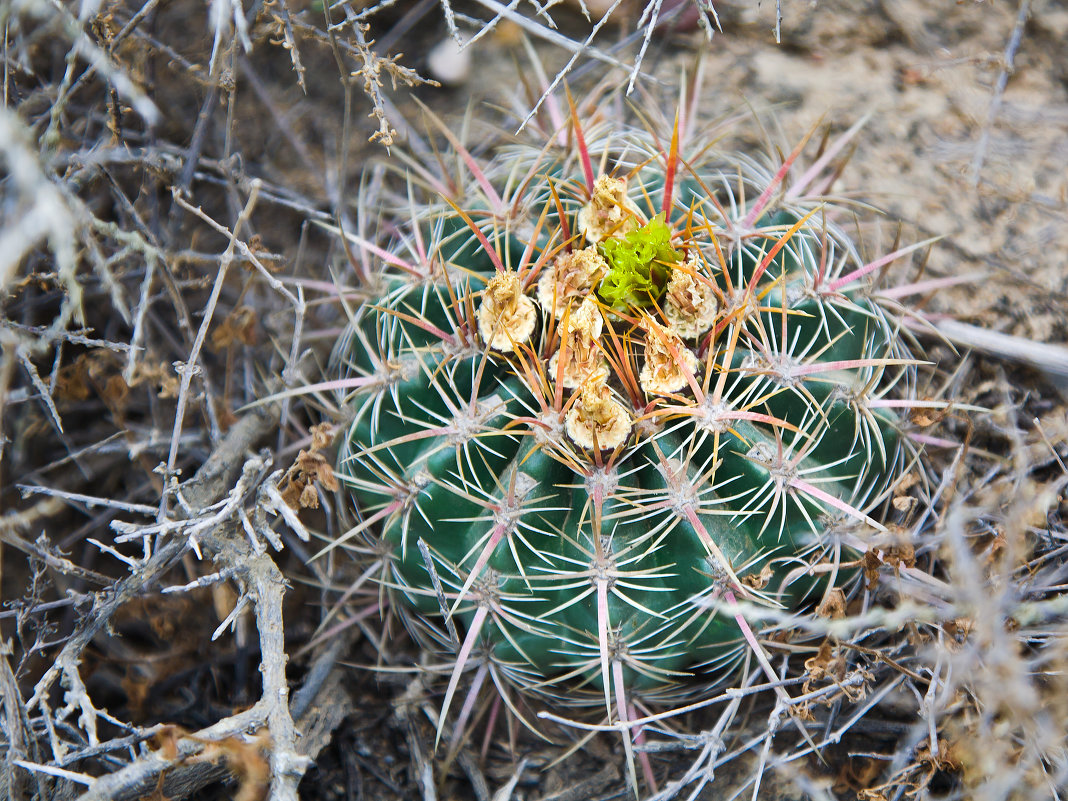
{"x": 606, "y": 384}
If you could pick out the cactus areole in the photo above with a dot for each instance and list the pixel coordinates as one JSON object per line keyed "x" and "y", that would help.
{"x": 590, "y": 411}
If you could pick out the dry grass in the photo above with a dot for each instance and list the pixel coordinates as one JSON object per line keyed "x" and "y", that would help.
{"x": 172, "y": 178}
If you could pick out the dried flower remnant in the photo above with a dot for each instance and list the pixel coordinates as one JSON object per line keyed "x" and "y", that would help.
{"x": 572, "y": 276}
{"x": 506, "y": 317}
{"x": 579, "y": 347}
{"x": 669, "y": 364}
{"x": 596, "y": 421}
{"x": 610, "y": 211}
{"x": 690, "y": 305}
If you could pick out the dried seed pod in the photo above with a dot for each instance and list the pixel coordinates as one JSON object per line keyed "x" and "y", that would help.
{"x": 573, "y": 275}
{"x": 610, "y": 212}
{"x": 669, "y": 365}
{"x": 580, "y": 346}
{"x": 690, "y": 305}
{"x": 595, "y": 420}
{"x": 506, "y": 317}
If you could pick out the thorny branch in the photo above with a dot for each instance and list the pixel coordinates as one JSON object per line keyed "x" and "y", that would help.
{"x": 189, "y": 368}
{"x": 264, "y": 585}
{"x": 371, "y": 73}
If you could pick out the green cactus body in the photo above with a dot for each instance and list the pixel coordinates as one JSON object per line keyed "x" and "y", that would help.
{"x": 588, "y": 474}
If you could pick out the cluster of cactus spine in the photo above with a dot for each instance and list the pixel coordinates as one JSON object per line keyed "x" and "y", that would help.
{"x": 604, "y": 387}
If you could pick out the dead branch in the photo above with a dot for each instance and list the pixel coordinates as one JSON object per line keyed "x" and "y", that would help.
{"x": 190, "y": 764}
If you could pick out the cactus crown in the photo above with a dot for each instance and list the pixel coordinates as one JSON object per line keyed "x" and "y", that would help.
{"x": 587, "y": 411}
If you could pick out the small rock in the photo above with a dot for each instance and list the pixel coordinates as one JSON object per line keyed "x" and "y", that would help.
{"x": 448, "y": 64}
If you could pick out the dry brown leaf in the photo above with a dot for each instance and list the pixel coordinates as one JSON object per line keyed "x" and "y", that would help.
{"x": 833, "y": 605}
{"x": 72, "y": 381}
{"x": 818, "y": 666}
{"x": 247, "y": 760}
{"x": 871, "y": 565}
{"x": 925, "y": 418}
{"x": 239, "y": 326}
{"x": 298, "y": 484}
{"x": 945, "y": 760}
{"x": 322, "y": 436}
{"x": 858, "y": 774}
{"x": 158, "y": 374}
{"x": 902, "y": 555}
{"x": 758, "y": 582}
